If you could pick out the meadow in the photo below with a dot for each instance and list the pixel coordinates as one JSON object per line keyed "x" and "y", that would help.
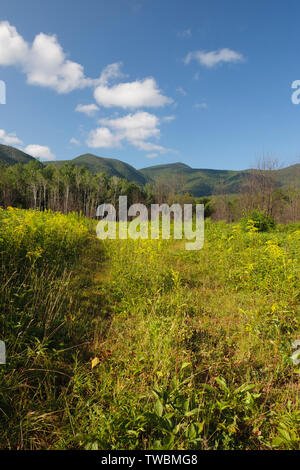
{"x": 140, "y": 344}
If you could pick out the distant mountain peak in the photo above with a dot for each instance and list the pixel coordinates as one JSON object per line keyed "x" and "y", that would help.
{"x": 109, "y": 166}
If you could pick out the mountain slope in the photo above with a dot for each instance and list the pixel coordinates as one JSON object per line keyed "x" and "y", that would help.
{"x": 199, "y": 182}
{"x": 179, "y": 176}
{"x": 109, "y": 166}
{"x": 205, "y": 182}
{"x": 11, "y": 156}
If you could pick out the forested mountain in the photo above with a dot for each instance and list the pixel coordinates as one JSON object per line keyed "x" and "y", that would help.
{"x": 11, "y": 156}
{"x": 179, "y": 177}
{"x": 198, "y": 182}
{"x": 109, "y": 166}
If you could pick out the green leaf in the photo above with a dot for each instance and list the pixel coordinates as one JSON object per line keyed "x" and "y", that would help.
{"x": 185, "y": 364}
{"x": 159, "y": 408}
{"x": 191, "y": 413}
{"x": 244, "y": 388}
{"x": 283, "y": 433}
{"x": 221, "y": 382}
{"x": 192, "y": 431}
{"x": 277, "y": 442}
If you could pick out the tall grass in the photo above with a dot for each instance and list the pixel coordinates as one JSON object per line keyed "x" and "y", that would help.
{"x": 40, "y": 322}
{"x": 137, "y": 344}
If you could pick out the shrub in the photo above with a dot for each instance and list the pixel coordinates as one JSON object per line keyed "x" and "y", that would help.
{"x": 257, "y": 221}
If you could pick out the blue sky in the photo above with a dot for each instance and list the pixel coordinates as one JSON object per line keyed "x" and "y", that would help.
{"x": 207, "y": 83}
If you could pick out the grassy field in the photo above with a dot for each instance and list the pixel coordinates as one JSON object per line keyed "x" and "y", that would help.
{"x": 144, "y": 345}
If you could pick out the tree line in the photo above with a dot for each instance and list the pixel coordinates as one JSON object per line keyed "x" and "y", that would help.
{"x": 72, "y": 188}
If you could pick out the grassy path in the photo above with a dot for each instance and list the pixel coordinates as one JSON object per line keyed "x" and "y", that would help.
{"x": 187, "y": 359}
{"x": 144, "y": 345}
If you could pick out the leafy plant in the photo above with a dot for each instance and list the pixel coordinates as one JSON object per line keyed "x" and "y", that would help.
{"x": 257, "y": 221}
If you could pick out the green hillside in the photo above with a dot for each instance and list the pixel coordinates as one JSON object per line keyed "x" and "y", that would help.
{"x": 179, "y": 176}
{"x": 109, "y": 166}
{"x": 289, "y": 175}
{"x": 205, "y": 182}
{"x": 199, "y": 182}
{"x": 11, "y": 156}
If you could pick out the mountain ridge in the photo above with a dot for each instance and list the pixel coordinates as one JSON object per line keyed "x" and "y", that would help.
{"x": 180, "y": 176}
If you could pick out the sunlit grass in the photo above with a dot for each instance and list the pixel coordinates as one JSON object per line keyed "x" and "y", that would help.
{"x": 193, "y": 347}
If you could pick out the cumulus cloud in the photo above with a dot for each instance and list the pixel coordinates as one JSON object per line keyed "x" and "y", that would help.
{"x": 13, "y": 48}
{"x": 109, "y": 73}
{"x": 102, "y": 137}
{"x": 9, "y": 138}
{"x": 45, "y": 63}
{"x": 138, "y": 126}
{"x": 40, "y": 151}
{"x": 135, "y": 129}
{"x": 74, "y": 141}
{"x": 37, "y": 151}
{"x": 88, "y": 109}
{"x": 213, "y": 58}
{"x": 137, "y": 94}
{"x": 48, "y": 66}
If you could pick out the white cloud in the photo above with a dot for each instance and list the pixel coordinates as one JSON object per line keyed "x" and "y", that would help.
{"x": 202, "y": 105}
{"x": 168, "y": 118}
{"x": 135, "y": 129}
{"x": 74, "y": 141}
{"x": 40, "y": 151}
{"x": 88, "y": 109}
{"x": 181, "y": 91}
{"x": 140, "y": 93}
{"x": 149, "y": 146}
{"x": 10, "y": 138}
{"x": 102, "y": 138}
{"x": 110, "y": 72}
{"x": 213, "y": 58}
{"x": 138, "y": 126}
{"x": 37, "y": 151}
{"x": 44, "y": 62}
{"x": 152, "y": 155}
{"x": 47, "y": 66}
{"x": 13, "y": 48}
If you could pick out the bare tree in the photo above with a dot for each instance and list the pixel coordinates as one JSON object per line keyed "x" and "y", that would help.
{"x": 258, "y": 190}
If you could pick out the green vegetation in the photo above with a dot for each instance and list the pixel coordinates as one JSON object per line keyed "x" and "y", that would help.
{"x": 202, "y": 182}
{"x": 124, "y": 344}
{"x": 257, "y": 221}
{"x": 178, "y": 177}
{"x": 65, "y": 188}
{"x": 80, "y": 186}
{"x": 109, "y": 166}
{"x": 12, "y": 156}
